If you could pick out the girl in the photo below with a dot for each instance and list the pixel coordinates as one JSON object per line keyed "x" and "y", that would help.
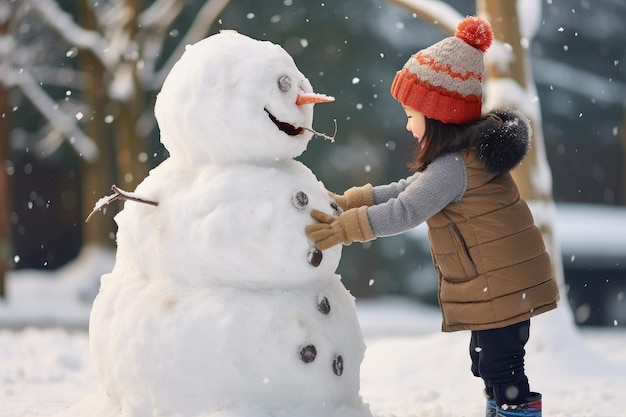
{"x": 494, "y": 271}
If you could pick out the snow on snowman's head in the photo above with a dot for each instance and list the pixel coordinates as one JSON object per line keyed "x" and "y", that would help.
{"x": 231, "y": 98}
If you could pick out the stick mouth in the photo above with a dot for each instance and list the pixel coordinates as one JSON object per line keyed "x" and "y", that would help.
{"x": 284, "y": 127}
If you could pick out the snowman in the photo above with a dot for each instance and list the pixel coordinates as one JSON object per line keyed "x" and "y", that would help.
{"x": 218, "y": 304}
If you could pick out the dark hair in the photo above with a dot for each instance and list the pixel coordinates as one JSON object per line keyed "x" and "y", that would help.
{"x": 442, "y": 138}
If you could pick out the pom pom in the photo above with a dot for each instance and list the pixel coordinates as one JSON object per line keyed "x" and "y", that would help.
{"x": 476, "y": 32}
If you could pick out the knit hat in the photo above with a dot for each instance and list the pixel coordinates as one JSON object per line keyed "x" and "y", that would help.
{"x": 444, "y": 81}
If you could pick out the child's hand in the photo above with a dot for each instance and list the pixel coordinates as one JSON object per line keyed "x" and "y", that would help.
{"x": 351, "y": 226}
{"x": 354, "y": 197}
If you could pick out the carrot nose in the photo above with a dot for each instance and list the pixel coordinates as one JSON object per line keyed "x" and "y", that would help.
{"x": 313, "y": 98}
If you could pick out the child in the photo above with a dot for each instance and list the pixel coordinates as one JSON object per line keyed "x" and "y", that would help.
{"x": 494, "y": 272}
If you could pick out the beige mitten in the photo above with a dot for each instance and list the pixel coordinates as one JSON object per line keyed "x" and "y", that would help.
{"x": 350, "y": 226}
{"x": 355, "y": 197}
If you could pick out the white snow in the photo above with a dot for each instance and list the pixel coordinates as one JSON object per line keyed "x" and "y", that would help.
{"x": 410, "y": 368}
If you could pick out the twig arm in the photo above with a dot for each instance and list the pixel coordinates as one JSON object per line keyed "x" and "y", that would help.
{"x": 118, "y": 194}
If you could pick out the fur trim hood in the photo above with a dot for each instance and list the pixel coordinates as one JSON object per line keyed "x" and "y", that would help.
{"x": 503, "y": 148}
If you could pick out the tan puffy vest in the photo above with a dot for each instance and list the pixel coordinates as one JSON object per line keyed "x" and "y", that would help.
{"x": 493, "y": 267}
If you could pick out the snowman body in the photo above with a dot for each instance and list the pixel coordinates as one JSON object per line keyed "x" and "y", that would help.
{"x": 211, "y": 204}
{"x": 218, "y": 304}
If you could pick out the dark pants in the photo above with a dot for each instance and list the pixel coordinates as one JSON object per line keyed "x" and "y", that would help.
{"x": 498, "y": 358}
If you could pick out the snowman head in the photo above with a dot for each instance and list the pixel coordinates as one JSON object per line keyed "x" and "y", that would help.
{"x": 231, "y": 98}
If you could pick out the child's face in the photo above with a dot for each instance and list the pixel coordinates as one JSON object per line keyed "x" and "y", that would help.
{"x": 416, "y": 123}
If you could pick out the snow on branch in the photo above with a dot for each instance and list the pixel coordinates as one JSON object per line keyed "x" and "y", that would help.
{"x": 161, "y": 13}
{"x": 157, "y": 18}
{"x": 529, "y": 13}
{"x": 197, "y": 30}
{"x": 74, "y": 34}
{"x": 435, "y": 11}
{"x": 65, "y": 123}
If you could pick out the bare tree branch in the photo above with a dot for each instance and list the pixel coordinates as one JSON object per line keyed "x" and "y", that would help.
{"x": 157, "y": 18}
{"x": 49, "y": 109}
{"x": 161, "y": 14}
{"x": 197, "y": 30}
{"x": 434, "y": 11}
{"x": 71, "y": 32}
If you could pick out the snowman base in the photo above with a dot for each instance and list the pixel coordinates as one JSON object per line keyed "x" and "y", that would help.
{"x": 228, "y": 351}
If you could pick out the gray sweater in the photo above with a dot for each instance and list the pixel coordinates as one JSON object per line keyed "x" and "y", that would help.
{"x": 400, "y": 206}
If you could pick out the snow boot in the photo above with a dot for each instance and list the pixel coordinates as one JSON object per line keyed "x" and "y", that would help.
{"x": 531, "y": 408}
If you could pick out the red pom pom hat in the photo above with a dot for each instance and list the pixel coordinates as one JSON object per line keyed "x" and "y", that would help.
{"x": 445, "y": 81}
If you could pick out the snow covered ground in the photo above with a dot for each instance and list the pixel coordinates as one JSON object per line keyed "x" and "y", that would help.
{"x": 410, "y": 368}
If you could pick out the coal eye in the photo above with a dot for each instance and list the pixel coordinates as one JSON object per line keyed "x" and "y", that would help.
{"x": 284, "y": 83}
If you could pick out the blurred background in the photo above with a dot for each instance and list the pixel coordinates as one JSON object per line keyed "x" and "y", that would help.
{"x": 77, "y": 117}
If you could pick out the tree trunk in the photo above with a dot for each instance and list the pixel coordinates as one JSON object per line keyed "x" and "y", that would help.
{"x": 5, "y": 181}
{"x": 5, "y": 189}
{"x": 132, "y": 166}
{"x": 96, "y": 176}
{"x": 130, "y": 146}
{"x": 503, "y": 18}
